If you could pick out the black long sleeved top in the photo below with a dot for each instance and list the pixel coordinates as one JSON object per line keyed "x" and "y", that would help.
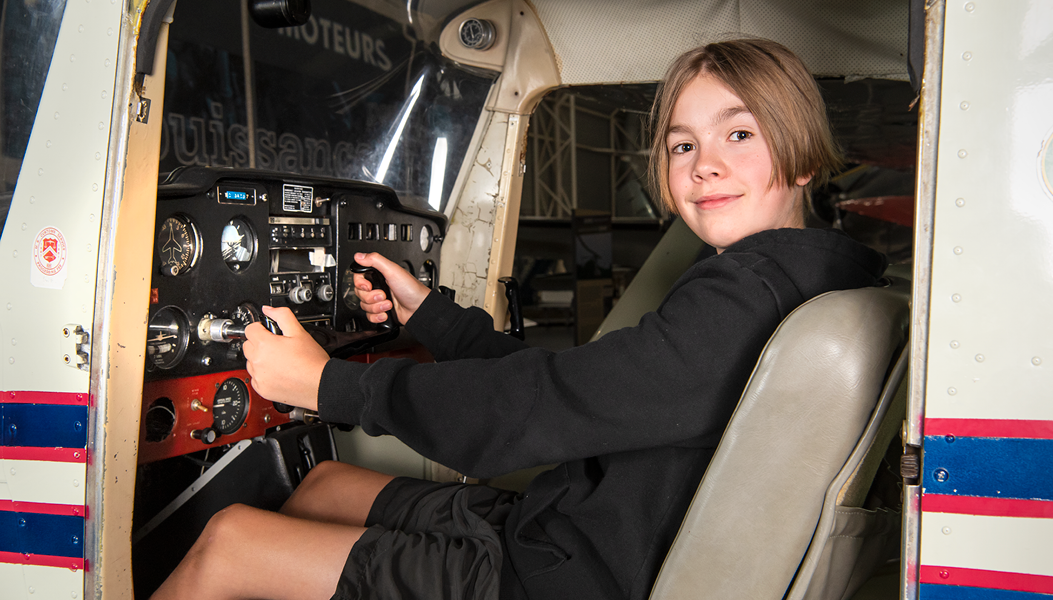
{"x": 632, "y": 418}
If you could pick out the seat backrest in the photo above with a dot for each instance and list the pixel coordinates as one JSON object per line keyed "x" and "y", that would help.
{"x": 818, "y": 391}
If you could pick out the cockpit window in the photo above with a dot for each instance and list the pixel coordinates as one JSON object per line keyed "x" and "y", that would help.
{"x": 28, "y": 31}
{"x": 352, "y": 94}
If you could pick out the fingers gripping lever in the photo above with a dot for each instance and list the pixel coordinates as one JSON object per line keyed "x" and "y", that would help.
{"x": 378, "y": 282}
{"x": 342, "y": 344}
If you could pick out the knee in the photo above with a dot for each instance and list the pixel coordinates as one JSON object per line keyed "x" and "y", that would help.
{"x": 321, "y": 476}
{"x": 324, "y": 471}
{"x": 226, "y": 531}
{"x": 218, "y": 551}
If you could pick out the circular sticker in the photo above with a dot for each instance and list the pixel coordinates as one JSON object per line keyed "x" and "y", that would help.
{"x": 49, "y": 252}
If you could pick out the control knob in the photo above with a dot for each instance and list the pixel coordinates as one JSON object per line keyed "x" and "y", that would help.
{"x": 326, "y": 292}
{"x": 210, "y": 329}
{"x": 300, "y": 294}
{"x": 207, "y": 435}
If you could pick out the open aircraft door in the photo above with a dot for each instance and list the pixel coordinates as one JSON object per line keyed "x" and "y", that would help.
{"x": 63, "y": 256}
{"x": 979, "y": 518}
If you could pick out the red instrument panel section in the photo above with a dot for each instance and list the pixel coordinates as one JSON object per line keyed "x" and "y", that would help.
{"x": 182, "y": 415}
{"x": 188, "y": 414}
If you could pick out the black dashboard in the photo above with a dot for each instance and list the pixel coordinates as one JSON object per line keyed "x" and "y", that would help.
{"x": 230, "y": 241}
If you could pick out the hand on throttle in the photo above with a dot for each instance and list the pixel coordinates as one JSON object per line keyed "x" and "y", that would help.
{"x": 284, "y": 368}
{"x": 407, "y": 292}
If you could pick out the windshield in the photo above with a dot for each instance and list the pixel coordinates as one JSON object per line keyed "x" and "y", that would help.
{"x": 28, "y": 31}
{"x": 351, "y": 94}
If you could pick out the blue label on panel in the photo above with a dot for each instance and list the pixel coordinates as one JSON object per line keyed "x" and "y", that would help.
{"x": 928, "y": 591}
{"x": 43, "y": 425}
{"x": 50, "y": 535}
{"x": 991, "y": 467}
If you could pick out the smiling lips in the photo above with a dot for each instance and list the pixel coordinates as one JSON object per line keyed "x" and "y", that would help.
{"x": 714, "y": 201}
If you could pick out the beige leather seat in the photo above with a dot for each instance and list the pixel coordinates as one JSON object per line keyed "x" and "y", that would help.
{"x": 777, "y": 513}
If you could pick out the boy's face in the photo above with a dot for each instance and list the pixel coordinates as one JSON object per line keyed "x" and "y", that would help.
{"x": 720, "y": 168}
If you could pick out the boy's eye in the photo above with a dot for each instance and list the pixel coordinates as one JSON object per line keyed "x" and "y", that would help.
{"x": 683, "y": 147}
{"x": 741, "y": 136}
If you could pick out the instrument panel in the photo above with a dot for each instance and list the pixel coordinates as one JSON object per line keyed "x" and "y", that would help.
{"x": 231, "y": 241}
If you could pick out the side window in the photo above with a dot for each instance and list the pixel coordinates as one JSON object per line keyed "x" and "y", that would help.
{"x": 28, "y": 31}
{"x": 351, "y": 94}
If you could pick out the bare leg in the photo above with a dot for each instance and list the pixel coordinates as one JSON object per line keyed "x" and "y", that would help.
{"x": 334, "y": 492}
{"x": 250, "y": 553}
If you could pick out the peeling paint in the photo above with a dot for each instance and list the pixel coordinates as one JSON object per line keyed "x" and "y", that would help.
{"x": 467, "y": 246}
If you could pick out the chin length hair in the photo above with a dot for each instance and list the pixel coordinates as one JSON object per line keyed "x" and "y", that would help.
{"x": 777, "y": 88}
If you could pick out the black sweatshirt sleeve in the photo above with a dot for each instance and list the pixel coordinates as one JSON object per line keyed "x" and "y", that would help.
{"x": 672, "y": 380}
{"x": 450, "y": 332}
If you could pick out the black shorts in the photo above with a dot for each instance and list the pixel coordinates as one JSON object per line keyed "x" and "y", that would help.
{"x": 428, "y": 540}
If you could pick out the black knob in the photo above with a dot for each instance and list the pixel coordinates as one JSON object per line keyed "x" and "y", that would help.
{"x": 207, "y": 435}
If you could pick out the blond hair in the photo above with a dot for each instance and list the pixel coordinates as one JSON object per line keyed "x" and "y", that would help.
{"x": 776, "y": 87}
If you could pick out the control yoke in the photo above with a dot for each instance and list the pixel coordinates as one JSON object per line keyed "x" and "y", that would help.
{"x": 341, "y": 344}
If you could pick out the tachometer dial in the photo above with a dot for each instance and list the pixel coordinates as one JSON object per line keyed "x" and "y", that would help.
{"x": 178, "y": 245}
{"x": 167, "y": 337}
{"x": 238, "y": 243}
{"x": 230, "y": 406}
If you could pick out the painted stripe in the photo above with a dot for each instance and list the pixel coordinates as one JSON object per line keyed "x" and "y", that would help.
{"x": 931, "y": 591}
{"x": 993, "y": 428}
{"x": 44, "y": 425}
{"x": 991, "y": 467}
{"x": 33, "y": 397}
{"x": 979, "y": 578}
{"x": 984, "y": 543}
{"x": 994, "y": 507}
{"x": 47, "y": 482}
{"x": 46, "y": 535}
{"x": 44, "y": 508}
{"x": 42, "y": 560}
{"x": 70, "y": 455}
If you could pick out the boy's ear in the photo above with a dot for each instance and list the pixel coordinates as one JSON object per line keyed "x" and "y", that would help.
{"x": 803, "y": 180}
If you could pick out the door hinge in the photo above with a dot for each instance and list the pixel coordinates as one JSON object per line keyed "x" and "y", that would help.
{"x": 76, "y": 347}
{"x": 142, "y": 111}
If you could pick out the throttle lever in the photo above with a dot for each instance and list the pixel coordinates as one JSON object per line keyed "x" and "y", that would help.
{"x": 515, "y": 311}
{"x": 378, "y": 282}
{"x": 270, "y": 325}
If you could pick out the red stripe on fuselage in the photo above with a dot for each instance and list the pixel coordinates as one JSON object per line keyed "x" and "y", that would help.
{"x": 990, "y": 507}
{"x": 999, "y": 580}
{"x": 44, "y": 508}
{"x": 991, "y": 428}
{"x": 42, "y": 560}
{"x": 68, "y": 455}
{"x": 32, "y": 397}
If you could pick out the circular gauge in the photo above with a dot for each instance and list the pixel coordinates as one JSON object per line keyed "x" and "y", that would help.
{"x": 426, "y": 238}
{"x": 178, "y": 245}
{"x": 167, "y": 337}
{"x": 238, "y": 244}
{"x": 230, "y": 406}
